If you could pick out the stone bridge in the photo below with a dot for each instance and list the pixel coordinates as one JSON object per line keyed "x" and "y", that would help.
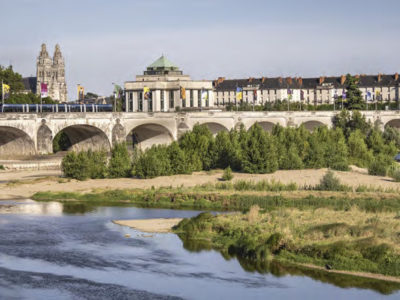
{"x": 30, "y": 134}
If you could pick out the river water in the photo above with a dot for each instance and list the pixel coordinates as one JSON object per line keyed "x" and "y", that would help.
{"x": 49, "y": 251}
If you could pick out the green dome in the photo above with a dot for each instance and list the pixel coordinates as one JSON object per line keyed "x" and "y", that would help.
{"x": 162, "y": 63}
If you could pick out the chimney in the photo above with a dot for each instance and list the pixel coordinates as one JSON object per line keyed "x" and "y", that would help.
{"x": 379, "y": 77}
{"x": 396, "y": 76}
{"x": 321, "y": 80}
{"x": 342, "y": 79}
{"x": 289, "y": 80}
{"x": 300, "y": 81}
{"x": 263, "y": 79}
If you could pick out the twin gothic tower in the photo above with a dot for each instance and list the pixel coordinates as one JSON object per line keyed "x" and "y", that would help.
{"x": 52, "y": 72}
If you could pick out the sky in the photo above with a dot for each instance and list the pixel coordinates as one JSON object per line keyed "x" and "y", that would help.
{"x": 112, "y": 41}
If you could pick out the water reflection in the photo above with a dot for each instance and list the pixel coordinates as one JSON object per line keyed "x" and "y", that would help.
{"x": 31, "y": 207}
{"x": 279, "y": 269}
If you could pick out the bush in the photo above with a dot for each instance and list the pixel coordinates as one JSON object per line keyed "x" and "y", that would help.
{"x": 394, "y": 172}
{"x": 379, "y": 165}
{"x": 331, "y": 183}
{"x": 227, "y": 176}
{"x": 2, "y": 167}
{"x": 120, "y": 164}
{"x": 153, "y": 162}
{"x": 84, "y": 165}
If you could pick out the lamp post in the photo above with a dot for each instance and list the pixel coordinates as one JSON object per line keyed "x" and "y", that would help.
{"x": 115, "y": 98}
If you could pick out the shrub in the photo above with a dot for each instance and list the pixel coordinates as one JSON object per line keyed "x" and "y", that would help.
{"x": 227, "y": 176}
{"x": 253, "y": 214}
{"x": 331, "y": 183}
{"x": 153, "y": 162}
{"x": 120, "y": 164}
{"x": 84, "y": 165}
{"x": 394, "y": 172}
{"x": 2, "y": 167}
{"x": 379, "y": 165}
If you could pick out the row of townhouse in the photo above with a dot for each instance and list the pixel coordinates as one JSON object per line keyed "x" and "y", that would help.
{"x": 322, "y": 90}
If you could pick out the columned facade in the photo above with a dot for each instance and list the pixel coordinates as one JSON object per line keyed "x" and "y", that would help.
{"x": 164, "y": 88}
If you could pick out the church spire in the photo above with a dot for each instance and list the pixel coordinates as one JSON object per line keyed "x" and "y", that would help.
{"x": 43, "y": 52}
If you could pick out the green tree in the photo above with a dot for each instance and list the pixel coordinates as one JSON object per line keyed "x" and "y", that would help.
{"x": 337, "y": 152}
{"x": 13, "y": 79}
{"x": 199, "y": 145}
{"x": 153, "y": 162}
{"x": 359, "y": 154}
{"x": 354, "y": 99}
{"x": 120, "y": 164}
{"x": 179, "y": 162}
{"x": 259, "y": 152}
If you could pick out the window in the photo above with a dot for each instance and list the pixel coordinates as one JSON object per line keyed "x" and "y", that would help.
{"x": 207, "y": 101}
{"x": 199, "y": 98}
{"x": 150, "y": 102}
{"x": 140, "y": 101}
{"x": 162, "y": 100}
{"x": 171, "y": 99}
{"x": 191, "y": 98}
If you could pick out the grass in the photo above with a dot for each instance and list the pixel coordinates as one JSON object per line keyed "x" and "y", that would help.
{"x": 354, "y": 240}
{"x": 205, "y": 198}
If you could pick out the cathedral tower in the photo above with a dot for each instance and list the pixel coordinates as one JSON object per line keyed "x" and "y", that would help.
{"x": 52, "y": 72}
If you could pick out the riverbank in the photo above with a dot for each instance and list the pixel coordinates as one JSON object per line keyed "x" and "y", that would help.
{"x": 23, "y": 184}
{"x": 351, "y": 242}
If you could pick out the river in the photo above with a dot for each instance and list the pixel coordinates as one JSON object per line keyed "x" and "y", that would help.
{"x": 48, "y": 251}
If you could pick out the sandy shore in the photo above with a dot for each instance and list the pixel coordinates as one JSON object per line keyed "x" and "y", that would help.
{"x": 23, "y": 184}
{"x": 150, "y": 225}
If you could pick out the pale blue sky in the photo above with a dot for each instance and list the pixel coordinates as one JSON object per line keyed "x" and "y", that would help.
{"x": 106, "y": 41}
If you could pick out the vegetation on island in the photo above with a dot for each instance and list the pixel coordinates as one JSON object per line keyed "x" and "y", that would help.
{"x": 352, "y": 240}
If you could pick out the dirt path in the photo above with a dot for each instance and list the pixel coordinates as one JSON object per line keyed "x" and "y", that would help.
{"x": 25, "y": 183}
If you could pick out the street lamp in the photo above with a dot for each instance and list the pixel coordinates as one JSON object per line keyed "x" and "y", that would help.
{"x": 115, "y": 98}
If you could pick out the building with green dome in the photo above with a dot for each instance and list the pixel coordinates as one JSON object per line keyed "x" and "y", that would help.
{"x": 163, "y": 87}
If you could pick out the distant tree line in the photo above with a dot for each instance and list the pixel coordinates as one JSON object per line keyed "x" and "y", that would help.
{"x": 353, "y": 140}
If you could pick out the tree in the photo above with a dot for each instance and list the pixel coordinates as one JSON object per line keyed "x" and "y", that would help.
{"x": 178, "y": 160}
{"x": 359, "y": 154}
{"x": 199, "y": 145}
{"x": 13, "y": 79}
{"x": 120, "y": 164}
{"x": 259, "y": 152}
{"x": 350, "y": 121}
{"x": 354, "y": 99}
{"x": 153, "y": 162}
{"x": 337, "y": 152}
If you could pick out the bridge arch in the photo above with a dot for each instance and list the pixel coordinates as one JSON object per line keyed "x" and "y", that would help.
{"x": 146, "y": 135}
{"x": 215, "y": 127}
{"x": 15, "y": 142}
{"x": 395, "y": 123}
{"x": 83, "y": 137}
{"x": 266, "y": 125}
{"x": 312, "y": 125}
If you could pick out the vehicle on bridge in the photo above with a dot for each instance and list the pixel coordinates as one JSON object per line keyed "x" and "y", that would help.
{"x": 55, "y": 108}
